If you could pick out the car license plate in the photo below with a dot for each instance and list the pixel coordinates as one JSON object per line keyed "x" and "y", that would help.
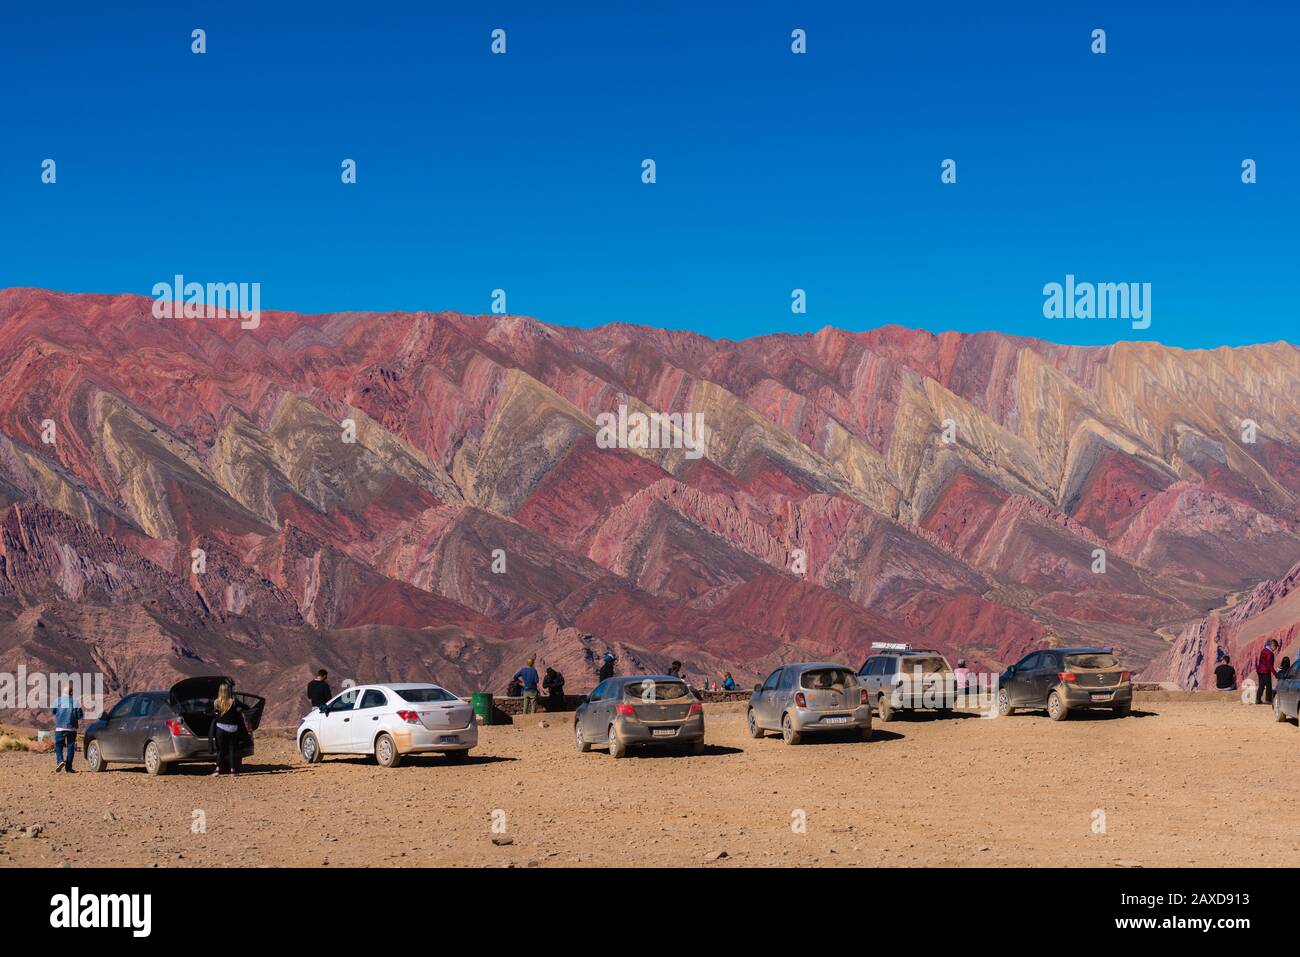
{"x": 449, "y": 739}
{"x": 663, "y": 732}
{"x": 836, "y": 719}
{"x": 1100, "y": 695}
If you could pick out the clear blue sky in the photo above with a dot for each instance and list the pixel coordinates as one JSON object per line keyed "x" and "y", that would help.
{"x": 775, "y": 171}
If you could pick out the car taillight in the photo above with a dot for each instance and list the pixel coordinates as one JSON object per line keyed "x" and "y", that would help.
{"x": 178, "y": 729}
{"x": 696, "y": 708}
{"x": 624, "y": 709}
{"x": 863, "y": 699}
{"x": 410, "y": 717}
{"x": 1124, "y": 676}
{"x": 1066, "y": 676}
{"x": 800, "y": 701}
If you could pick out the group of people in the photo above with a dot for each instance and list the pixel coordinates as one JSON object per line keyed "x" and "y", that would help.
{"x": 1266, "y": 669}
{"x": 527, "y": 684}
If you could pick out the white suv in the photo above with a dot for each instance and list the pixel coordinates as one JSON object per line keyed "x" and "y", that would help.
{"x": 388, "y": 721}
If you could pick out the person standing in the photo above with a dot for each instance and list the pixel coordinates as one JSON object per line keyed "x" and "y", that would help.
{"x": 67, "y": 715}
{"x": 318, "y": 689}
{"x": 1264, "y": 674}
{"x": 607, "y": 667}
{"x": 1225, "y": 676}
{"x": 229, "y": 730}
{"x": 527, "y": 676}
{"x": 553, "y": 683}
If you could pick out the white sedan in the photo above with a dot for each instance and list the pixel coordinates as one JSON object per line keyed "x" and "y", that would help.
{"x": 388, "y": 721}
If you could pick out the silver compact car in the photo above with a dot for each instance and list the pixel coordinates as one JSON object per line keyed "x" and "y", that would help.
{"x": 641, "y": 710}
{"x": 809, "y": 698}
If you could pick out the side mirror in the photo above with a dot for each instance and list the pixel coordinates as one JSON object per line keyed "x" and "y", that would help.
{"x": 758, "y": 687}
{"x": 323, "y": 708}
{"x": 583, "y": 699}
{"x": 1011, "y": 670}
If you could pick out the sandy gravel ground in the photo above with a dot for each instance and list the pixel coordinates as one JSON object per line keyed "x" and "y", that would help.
{"x": 1183, "y": 782}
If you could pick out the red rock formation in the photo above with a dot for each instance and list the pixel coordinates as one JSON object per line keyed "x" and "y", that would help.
{"x": 949, "y": 490}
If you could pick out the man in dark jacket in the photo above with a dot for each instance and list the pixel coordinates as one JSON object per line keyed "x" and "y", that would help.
{"x": 554, "y": 685}
{"x": 1264, "y": 674}
{"x": 607, "y": 666}
{"x": 318, "y": 690}
{"x": 1225, "y": 676}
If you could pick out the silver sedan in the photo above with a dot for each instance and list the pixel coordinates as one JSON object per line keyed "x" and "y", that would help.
{"x": 809, "y": 698}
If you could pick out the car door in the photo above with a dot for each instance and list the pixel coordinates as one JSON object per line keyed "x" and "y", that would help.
{"x": 368, "y": 719}
{"x": 1047, "y": 676}
{"x": 1021, "y": 688}
{"x": 140, "y": 725}
{"x": 869, "y": 677}
{"x": 113, "y": 739}
{"x": 588, "y": 717}
{"x": 765, "y": 695}
{"x": 784, "y": 696}
{"x": 335, "y": 728}
{"x": 1289, "y": 691}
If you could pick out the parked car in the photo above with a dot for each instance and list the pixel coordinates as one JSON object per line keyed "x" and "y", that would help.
{"x": 161, "y": 728}
{"x": 899, "y": 677}
{"x": 1063, "y": 680}
{"x": 1286, "y": 696}
{"x": 808, "y": 698}
{"x": 627, "y": 711}
{"x": 389, "y": 721}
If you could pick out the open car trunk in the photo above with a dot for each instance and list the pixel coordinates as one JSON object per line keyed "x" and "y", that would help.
{"x": 192, "y": 699}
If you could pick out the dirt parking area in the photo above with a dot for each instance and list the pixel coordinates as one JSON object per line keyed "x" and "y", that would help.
{"x": 1184, "y": 781}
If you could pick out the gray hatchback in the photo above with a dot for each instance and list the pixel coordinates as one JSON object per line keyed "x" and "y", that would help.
{"x": 160, "y": 729}
{"x": 635, "y": 710}
{"x": 810, "y": 697}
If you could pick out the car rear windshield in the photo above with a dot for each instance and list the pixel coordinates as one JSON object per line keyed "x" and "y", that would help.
{"x": 424, "y": 695}
{"x": 654, "y": 690}
{"x": 928, "y": 666}
{"x": 1091, "y": 662}
{"x": 826, "y": 679}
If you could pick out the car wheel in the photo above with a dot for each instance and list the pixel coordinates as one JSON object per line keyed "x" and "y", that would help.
{"x": 1004, "y": 703}
{"x": 583, "y": 744}
{"x": 884, "y": 708}
{"x": 866, "y": 734}
{"x": 1122, "y": 710}
{"x": 457, "y": 757}
{"x": 697, "y": 748}
{"x": 1056, "y": 709}
{"x": 754, "y": 730}
{"x": 386, "y": 753}
{"x": 95, "y": 758}
{"x": 617, "y": 749}
{"x": 1278, "y": 713}
{"x": 788, "y": 732}
{"x": 153, "y": 762}
{"x": 309, "y": 747}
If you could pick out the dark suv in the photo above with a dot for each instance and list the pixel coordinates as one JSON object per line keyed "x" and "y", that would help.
{"x": 162, "y": 728}
{"x": 1063, "y": 680}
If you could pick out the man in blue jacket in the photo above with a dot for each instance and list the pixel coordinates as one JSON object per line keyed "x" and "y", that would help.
{"x": 527, "y": 676}
{"x": 67, "y": 715}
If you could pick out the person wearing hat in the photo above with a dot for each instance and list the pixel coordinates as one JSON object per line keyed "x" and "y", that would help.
{"x": 607, "y": 666}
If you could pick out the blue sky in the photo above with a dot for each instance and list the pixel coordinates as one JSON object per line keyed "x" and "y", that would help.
{"x": 775, "y": 171}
